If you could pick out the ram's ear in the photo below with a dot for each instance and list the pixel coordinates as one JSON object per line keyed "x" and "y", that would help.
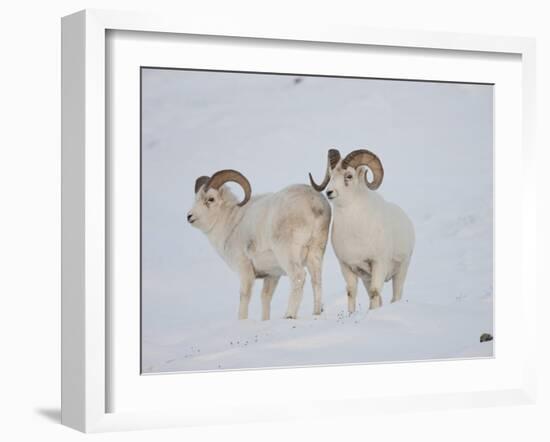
{"x": 200, "y": 181}
{"x": 361, "y": 172}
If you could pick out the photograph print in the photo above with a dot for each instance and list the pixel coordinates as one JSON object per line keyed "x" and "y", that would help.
{"x": 293, "y": 220}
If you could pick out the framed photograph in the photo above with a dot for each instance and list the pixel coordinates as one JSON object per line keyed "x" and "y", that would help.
{"x": 267, "y": 222}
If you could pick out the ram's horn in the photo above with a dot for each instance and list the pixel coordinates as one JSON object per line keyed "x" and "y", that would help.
{"x": 363, "y": 157}
{"x": 223, "y": 176}
{"x": 333, "y": 158}
{"x": 200, "y": 181}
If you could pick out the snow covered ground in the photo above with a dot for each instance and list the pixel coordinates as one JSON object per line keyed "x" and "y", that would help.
{"x": 435, "y": 141}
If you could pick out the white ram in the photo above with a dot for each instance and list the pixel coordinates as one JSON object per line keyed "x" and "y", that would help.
{"x": 373, "y": 239}
{"x": 265, "y": 237}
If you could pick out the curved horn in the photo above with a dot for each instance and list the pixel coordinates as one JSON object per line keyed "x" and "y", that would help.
{"x": 364, "y": 157}
{"x": 199, "y": 182}
{"x": 223, "y": 176}
{"x": 333, "y": 158}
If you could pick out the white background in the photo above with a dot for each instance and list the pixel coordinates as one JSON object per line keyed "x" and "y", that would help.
{"x": 133, "y": 392}
{"x": 29, "y": 229}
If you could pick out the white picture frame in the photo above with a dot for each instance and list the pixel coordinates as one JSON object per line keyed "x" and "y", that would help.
{"x": 86, "y": 316}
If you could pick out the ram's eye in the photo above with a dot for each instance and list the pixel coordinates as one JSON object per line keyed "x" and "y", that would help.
{"x": 349, "y": 177}
{"x": 210, "y": 200}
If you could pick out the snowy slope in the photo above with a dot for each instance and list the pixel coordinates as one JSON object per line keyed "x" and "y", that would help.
{"x": 435, "y": 141}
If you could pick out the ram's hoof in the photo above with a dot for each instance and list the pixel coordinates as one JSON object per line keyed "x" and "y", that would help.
{"x": 290, "y": 317}
{"x": 375, "y": 302}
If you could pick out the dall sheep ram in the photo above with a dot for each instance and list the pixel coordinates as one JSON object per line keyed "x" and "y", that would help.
{"x": 373, "y": 239}
{"x": 265, "y": 237}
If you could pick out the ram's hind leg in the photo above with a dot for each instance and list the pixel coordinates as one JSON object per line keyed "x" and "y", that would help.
{"x": 399, "y": 281}
{"x": 314, "y": 264}
{"x": 270, "y": 283}
{"x": 315, "y": 254}
{"x": 291, "y": 262}
{"x": 297, "y": 276}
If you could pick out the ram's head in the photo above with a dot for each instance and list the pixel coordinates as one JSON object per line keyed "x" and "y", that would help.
{"x": 343, "y": 176}
{"x": 212, "y": 198}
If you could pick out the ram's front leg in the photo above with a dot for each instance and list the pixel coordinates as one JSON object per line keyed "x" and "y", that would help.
{"x": 247, "y": 281}
{"x": 378, "y": 275}
{"x": 351, "y": 287}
